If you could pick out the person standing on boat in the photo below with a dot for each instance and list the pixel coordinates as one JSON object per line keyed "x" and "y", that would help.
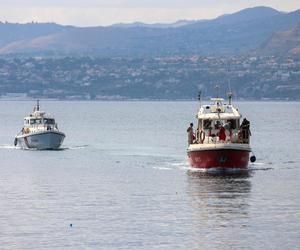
{"x": 227, "y": 125}
{"x": 191, "y": 135}
{"x": 222, "y": 134}
{"x": 245, "y": 126}
{"x": 228, "y": 131}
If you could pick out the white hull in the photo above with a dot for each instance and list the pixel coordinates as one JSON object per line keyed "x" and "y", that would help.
{"x": 40, "y": 140}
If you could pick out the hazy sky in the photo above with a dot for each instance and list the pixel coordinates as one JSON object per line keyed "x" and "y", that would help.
{"x": 105, "y": 12}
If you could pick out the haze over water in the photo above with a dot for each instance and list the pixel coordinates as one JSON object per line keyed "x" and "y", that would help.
{"x": 123, "y": 182}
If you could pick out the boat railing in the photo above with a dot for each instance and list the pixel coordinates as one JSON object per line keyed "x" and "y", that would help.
{"x": 235, "y": 136}
{"x": 39, "y": 127}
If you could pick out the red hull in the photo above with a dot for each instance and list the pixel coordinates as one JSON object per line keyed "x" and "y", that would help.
{"x": 221, "y": 158}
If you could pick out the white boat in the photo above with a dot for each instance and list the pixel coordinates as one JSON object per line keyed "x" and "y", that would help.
{"x": 40, "y": 131}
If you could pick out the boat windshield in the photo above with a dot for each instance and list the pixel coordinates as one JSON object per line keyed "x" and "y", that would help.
{"x": 35, "y": 121}
{"x": 215, "y": 124}
{"x": 207, "y": 124}
{"x": 49, "y": 121}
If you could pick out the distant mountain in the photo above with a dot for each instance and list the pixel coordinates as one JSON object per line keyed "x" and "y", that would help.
{"x": 177, "y": 24}
{"x": 248, "y": 14}
{"x": 11, "y": 32}
{"x": 243, "y": 31}
{"x": 284, "y": 42}
{"x": 236, "y": 33}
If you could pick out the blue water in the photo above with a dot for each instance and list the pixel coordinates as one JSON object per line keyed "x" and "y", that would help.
{"x": 123, "y": 182}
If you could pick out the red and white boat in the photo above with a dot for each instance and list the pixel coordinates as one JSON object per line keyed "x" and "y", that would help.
{"x": 221, "y": 141}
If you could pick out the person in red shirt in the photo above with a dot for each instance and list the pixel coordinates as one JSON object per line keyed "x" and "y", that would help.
{"x": 222, "y": 134}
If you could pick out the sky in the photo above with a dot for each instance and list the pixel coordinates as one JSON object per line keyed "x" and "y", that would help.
{"x": 106, "y": 12}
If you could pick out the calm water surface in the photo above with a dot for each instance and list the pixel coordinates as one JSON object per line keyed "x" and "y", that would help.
{"x": 123, "y": 182}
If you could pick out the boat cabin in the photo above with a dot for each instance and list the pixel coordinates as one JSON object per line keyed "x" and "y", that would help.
{"x": 215, "y": 118}
{"x": 39, "y": 121}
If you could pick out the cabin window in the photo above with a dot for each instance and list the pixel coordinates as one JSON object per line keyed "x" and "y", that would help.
{"x": 217, "y": 124}
{"x": 233, "y": 123}
{"x": 207, "y": 124}
{"x": 35, "y": 121}
{"x": 49, "y": 121}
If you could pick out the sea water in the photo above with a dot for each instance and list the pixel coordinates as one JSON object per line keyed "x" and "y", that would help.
{"x": 121, "y": 181}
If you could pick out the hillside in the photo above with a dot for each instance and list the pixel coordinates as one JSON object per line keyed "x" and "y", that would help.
{"x": 170, "y": 78}
{"x": 284, "y": 42}
{"x": 235, "y": 33}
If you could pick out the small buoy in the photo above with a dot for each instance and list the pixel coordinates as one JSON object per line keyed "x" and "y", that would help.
{"x": 71, "y": 225}
{"x": 15, "y": 141}
{"x": 253, "y": 158}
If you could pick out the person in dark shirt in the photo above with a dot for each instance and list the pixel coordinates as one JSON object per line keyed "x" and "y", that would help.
{"x": 245, "y": 126}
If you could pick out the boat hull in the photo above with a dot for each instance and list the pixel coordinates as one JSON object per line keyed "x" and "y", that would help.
{"x": 219, "y": 158}
{"x": 41, "y": 140}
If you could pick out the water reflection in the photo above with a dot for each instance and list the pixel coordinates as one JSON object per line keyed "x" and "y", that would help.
{"x": 220, "y": 196}
{"x": 220, "y": 204}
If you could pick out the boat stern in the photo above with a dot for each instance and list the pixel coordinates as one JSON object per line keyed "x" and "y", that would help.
{"x": 219, "y": 156}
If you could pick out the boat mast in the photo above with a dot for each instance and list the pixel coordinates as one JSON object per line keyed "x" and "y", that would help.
{"x": 229, "y": 94}
{"x": 38, "y": 105}
{"x": 217, "y": 90}
{"x": 200, "y": 96}
{"x": 229, "y": 97}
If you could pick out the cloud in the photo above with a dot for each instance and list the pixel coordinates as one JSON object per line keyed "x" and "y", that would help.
{"x": 114, "y": 3}
{"x": 97, "y": 12}
{"x": 287, "y": 4}
{"x": 90, "y": 16}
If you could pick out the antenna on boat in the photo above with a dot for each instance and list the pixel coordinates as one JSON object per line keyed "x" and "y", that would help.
{"x": 37, "y": 105}
{"x": 217, "y": 87}
{"x": 200, "y": 96}
{"x": 229, "y": 94}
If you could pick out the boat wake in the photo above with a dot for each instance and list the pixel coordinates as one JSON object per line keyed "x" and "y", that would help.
{"x": 34, "y": 149}
{"x": 172, "y": 165}
{"x": 9, "y": 147}
{"x": 74, "y": 147}
{"x": 259, "y": 166}
{"x": 248, "y": 170}
{"x": 218, "y": 170}
{"x": 162, "y": 168}
{"x": 184, "y": 165}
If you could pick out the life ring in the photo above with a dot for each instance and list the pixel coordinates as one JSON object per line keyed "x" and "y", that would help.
{"x": 202, "y": 136}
